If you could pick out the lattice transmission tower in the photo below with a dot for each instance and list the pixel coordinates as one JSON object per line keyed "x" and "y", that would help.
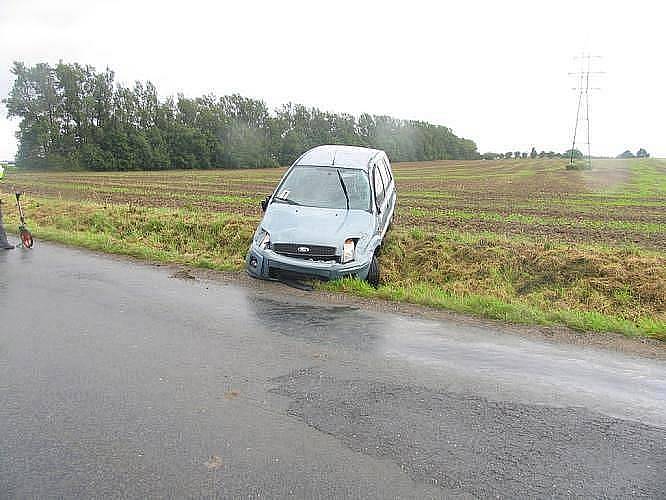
{"x": 583, "y": 90}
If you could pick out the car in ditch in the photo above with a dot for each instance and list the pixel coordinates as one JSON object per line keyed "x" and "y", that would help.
{"x": 327, "y": 217}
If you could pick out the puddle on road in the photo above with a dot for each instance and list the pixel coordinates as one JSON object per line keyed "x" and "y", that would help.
{"x": 337, "y": 325}
{"x": 536, "y": 371}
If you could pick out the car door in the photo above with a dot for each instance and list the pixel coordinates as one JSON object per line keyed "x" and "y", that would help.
{"x": 379, "y": 188}
{"x": 390, "y": 191}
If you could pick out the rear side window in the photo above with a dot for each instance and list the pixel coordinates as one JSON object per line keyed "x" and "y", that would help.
{"x": 379, "y": 185}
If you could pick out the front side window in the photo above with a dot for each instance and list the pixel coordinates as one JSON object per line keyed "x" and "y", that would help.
{"x": 379, "y": 185}
{"x": 321, "y": 187}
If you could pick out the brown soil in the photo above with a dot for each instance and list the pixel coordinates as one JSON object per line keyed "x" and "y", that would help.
{"x": 539, "y": 188}
{"x": 544, "y": 232}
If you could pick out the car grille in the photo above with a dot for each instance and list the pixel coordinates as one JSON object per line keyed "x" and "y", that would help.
{"x": 315, "y": 252}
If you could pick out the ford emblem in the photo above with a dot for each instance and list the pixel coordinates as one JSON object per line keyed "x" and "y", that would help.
{"x": 303, "y": 249}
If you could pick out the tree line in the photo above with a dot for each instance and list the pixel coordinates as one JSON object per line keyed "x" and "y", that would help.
{"x": 517, "y": 155}
{"x": 74, "y": 117}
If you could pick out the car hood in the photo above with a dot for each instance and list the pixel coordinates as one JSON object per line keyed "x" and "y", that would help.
{"x": 315, "y": 226}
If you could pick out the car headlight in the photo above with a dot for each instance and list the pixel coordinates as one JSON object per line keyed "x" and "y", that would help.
{"x": 263, "y": 239}
{"x": 348, "y": 251}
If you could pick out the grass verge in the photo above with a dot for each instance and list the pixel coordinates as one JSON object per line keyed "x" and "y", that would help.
{"x": 185, "y": 236}
{"x": 494, "y": 308}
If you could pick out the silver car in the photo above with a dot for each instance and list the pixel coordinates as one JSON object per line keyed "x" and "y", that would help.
{"x": 327, "y": 218}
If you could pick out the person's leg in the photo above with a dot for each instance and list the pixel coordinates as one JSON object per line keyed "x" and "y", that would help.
{"x": 4, "y": 244}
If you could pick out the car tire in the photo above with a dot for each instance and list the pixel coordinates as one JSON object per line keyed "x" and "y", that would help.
{"x": 373, "y": 272}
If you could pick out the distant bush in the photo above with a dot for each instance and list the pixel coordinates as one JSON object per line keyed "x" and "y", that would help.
{"x": 579, "y": 165}
{"x": 641, "y": 153}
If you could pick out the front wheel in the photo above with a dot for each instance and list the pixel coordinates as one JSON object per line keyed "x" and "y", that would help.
{"x": 373, "y": 272}
{"x": 26, "y": 238}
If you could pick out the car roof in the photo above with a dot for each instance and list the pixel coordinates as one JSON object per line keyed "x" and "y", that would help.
{"x": 342, "y": 156}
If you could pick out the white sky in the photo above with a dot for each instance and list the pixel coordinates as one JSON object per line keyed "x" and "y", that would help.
{"x": 495, "y": 72}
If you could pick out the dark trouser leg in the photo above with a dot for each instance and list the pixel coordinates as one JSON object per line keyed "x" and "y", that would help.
{"x": 4, "y": 244}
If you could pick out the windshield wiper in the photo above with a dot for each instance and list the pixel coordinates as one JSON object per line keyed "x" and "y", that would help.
{"x": 344, "y": 188}
{"x": 287, "y": 200}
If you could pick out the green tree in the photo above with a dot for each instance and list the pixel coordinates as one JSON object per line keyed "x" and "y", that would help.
{"x": 72, "y": 116}
{"x": 35, "y": 99}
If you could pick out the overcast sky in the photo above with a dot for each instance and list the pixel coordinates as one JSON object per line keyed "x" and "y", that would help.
{"x": 495, "y": 72}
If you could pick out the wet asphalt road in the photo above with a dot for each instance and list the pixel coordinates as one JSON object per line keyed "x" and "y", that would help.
{"x": 117, "y": 380}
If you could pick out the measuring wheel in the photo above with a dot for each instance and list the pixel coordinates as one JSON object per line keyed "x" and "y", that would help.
{"x": 26, "y": 238}
{"x": 24, "y": 233}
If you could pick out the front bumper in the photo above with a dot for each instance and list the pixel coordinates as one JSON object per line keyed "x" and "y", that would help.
{"x": 266, "y": 264}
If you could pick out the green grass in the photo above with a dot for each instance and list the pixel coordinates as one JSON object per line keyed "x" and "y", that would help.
{"x": 203, "y": 239}
{"x": 649, "y": 179}
{"x": 494, "y": 308}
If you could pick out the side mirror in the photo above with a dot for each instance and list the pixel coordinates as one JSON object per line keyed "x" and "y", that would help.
{"x": 264, "y": 203}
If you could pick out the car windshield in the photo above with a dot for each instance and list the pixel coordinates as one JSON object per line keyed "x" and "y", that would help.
{"x": 320, "y": 187}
